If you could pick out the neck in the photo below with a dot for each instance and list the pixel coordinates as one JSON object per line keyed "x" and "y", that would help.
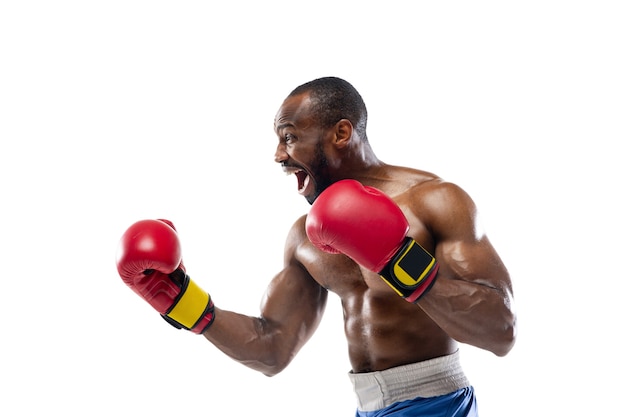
{"x": 360, "y": 164}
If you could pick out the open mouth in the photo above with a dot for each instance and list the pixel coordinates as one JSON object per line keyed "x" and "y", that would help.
{"x": 306, "y": 185}
{"x": 304, "y": 181}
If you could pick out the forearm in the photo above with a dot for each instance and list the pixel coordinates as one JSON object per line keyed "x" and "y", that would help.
{"x": 250, "y": 341}
{"x": 474, "y": 314}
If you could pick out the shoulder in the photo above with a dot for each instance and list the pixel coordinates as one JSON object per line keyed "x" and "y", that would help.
{"x": 445, "y": 207}
{"x": 442, "y": 207}
{"x": 297, "y": 233}
{"x": 418, "y": 186}
{"x": 425, "y": 194}
{"x": 440, "y": 194}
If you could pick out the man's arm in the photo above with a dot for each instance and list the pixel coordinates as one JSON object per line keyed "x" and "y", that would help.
{"x": 291, "y": 311}
{"x": 472, "y": 299}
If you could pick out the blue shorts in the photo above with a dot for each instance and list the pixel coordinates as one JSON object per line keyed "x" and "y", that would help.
{"x": 461, "y": 403}
{"x": 433, "y": 388}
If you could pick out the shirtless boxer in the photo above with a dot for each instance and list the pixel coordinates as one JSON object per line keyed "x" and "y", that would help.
{"x": 401, "y": 247}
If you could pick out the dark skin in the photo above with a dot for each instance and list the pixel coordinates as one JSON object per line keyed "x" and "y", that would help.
{"x": 471, "y": 301}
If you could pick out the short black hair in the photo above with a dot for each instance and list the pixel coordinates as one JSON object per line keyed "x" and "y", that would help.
{"x": 335, "y": 99}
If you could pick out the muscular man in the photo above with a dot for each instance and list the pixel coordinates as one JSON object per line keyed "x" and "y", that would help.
{"x": 402, "y": 248}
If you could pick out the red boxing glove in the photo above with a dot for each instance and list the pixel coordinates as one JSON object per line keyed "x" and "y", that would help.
{"x": 149, "y": 262}
{"x": 368, "y": 226}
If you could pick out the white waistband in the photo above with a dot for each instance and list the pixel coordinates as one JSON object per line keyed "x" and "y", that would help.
{"x": 431, "y": 378}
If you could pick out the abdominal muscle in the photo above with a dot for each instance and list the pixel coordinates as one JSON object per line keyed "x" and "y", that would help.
{"x": 384, "y": 331}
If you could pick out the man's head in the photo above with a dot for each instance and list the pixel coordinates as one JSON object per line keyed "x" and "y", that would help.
{"x": 316, "y": 125}
{"x": 333, "y": 99}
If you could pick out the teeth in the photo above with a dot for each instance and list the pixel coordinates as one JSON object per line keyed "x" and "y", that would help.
{"x": 291, "y": 171}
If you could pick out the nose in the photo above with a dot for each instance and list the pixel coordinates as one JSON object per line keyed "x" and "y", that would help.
{"x": 281, "y": 154}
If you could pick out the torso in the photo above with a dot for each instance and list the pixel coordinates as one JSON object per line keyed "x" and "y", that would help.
{"x": 382, "y": 329}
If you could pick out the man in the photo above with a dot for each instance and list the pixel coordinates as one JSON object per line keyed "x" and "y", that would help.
{"x": 401, "y": 248}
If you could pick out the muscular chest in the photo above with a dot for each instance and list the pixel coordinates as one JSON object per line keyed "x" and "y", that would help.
{"x": 340, "y": 274}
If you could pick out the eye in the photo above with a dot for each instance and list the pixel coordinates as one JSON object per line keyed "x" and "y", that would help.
{"x": 289, "y": 138}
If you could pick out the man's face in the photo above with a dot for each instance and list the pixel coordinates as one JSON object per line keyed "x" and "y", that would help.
{"x": 300, "y": 148}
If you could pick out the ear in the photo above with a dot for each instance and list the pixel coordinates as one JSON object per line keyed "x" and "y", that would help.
{"x": 343, "y": 133}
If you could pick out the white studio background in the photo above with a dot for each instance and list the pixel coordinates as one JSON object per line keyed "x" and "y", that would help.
{"x": 111, "y": 112}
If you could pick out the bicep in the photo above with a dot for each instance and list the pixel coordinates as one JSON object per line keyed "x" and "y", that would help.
{"x": 294, "y": 302}
{"x": 472, "y": 299}
{"x": 472, "y": 260}
{"x": 462, "y": 246}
